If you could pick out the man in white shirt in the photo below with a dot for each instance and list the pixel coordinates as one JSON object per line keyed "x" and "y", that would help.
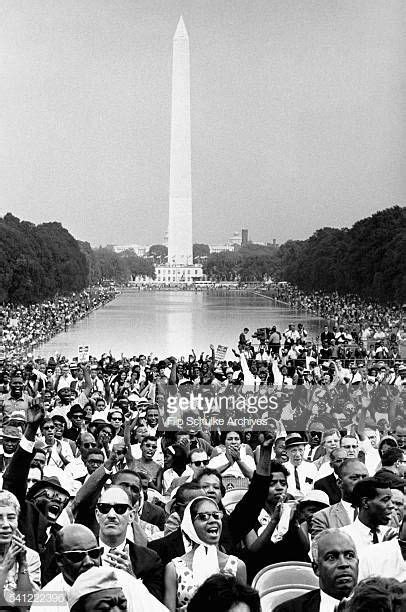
{"x": 373, "y": 498}
{"x": 335, "y": 562}
{"x": 76, "y": 552}
{"x": 386, "y": 559}
{"x": 302, "y": 474}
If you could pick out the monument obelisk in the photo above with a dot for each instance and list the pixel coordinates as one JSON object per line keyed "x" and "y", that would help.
{"x": 180, "y": 243}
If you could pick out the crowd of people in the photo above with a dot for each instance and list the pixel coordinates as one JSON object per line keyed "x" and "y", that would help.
{"x": 22, "y": 328}
{"x": 169, "y": 483}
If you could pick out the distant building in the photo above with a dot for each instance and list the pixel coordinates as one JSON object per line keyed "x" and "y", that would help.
{"x": 137, "y": 249}
{"x": 178, "y": 274}
{"x": 244, "y": 237}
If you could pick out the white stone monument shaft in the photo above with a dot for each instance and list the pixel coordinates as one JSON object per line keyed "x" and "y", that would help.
{"x": 180, "y": 244}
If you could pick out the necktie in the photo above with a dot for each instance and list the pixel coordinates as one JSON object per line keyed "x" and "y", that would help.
{"x": 374, "y": 533}
{"x": 355, "y": 512}
{"x": 297, "y": 481}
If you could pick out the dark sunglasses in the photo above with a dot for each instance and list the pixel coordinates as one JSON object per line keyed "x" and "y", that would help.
{"x": 205, "y": 516}
{"x": 77, "y": 556}
{"x": 118, "y": 508}
{"x": 89, "y": 445}
{"x": 200, "y": 463}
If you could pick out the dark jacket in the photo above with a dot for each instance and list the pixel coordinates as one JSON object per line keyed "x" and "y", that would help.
{"x": 329, "y": 485}
{"x": 168, "y": 547}
{"x": 153, "y": 514}
{"x": 32, "y": 524}
{"x": 309, "y": 602}
{"x": 148, "y": 567}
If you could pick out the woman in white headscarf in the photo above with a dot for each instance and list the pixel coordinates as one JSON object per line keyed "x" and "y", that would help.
{"x": 201, "y": 529}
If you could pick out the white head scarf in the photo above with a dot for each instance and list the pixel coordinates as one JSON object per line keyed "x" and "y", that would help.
{"x": 205, "y": 559}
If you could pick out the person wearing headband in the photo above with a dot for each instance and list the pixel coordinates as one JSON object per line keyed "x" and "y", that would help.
{"x": 201, "y": 525}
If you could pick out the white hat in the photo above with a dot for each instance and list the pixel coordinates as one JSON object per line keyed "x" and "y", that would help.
{"x": 319, "y": 497}
{"x": 95, "y": 579}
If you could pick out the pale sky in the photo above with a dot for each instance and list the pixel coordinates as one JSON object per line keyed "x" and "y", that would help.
{"x": 298, "y": 114}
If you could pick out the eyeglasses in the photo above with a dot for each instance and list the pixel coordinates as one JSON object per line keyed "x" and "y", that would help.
{"x": 118, "y": 508}
{"x": 200, "y": 463}
{"x": 52, "y": 494}
{"x": 50, "y": 428}
{"x": 77, "y": 556}
{"x": 89, "y": 445}
{"x": 205, "y": 516}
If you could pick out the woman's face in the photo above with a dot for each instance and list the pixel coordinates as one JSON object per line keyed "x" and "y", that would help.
{"x": 8, "y": 524}
{"x": 233, "y": 440}
{"x": 207, "y": 521}
{"x": 140, "y": 433}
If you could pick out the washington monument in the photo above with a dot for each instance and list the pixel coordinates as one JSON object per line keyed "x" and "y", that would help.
{"x": 180, "y": 242}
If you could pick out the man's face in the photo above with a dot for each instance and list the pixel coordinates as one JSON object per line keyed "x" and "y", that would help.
{"x": 295, "y": 454}
{"x": 278, "y": 486}
{"x": 307, "y": 510}
{"x": 16, "y": 386}
{"x": 351, "y": 446}
{"x": 400, "y": 435}
{"x": 50, "y": 502}
{"x": 337, "y": 458}
{"x": 8, "y": 524}
{"x": 332, "y": 441}
{"x": 148, "y": 449}
{"x": 77, "y": 419}
{"x": 93, "y": 461}
{"x": 34, "y": 475}
{"x": 65, "y": 395}
{"x": 140, "y": 433}
{"x": 315, "y": 434}
{"x": 211, "y": 486}
{"x": 152, "y": 417}
{"x": 198, "y": 461}
{"x": 10, "y": 445}
{"x": 72, "y": 567}
{"x": 100, "y": 405}
{"x": 112, "y": 523}
{"x": 87, "y": 443}
{"x": 380, "y": 508}
{"x": 131, "y": 485}
{"x": 350, "y": 475}
{"x": 398, "y": 501}
{"x": 337, "y": 566}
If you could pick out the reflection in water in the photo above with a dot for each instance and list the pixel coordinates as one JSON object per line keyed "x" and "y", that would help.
{"x": 172, "y": 323}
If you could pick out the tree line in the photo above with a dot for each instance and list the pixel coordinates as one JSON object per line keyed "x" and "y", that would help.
{"x": 369, "y": 259}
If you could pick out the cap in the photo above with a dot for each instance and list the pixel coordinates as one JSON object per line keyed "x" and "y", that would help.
{"x": 318, "y": 497}
{"x": 95, "y": 579}
{"x": 18, "y": 415}
{"x": 9, "y": 431}
{"x": 47, "y": 481}
{"x": 294, "y": 439}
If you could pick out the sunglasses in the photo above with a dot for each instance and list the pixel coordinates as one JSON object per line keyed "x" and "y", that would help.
{"x": 50, "y": 428}
{"x": 77, "y": 556}
{"x": 118, "y": 508}
{"x": 89, "y": 445}
{"x": 200, "y": 463}
{"x": 205, "y": 516}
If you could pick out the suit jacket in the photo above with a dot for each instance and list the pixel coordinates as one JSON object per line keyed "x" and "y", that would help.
{"x": 148, "y": 566}
{"x": 333, "y": 516}
{"x": 169, "y": 547}
{"x": 153, "y": 514}
{"x": 32, "y": 524}
{"x": 329, "y": 485}
{"x": 309, "y": 602}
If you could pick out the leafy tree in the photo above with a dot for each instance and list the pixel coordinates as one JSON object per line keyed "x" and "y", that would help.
{"x": 200, "y": 251}
{"x": 159, "y": 252}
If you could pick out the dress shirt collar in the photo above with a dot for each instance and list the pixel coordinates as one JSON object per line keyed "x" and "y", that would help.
{"x": 365, "y": 531}
{"x": 349, "y": 508}
{"x": 327, "y": 603}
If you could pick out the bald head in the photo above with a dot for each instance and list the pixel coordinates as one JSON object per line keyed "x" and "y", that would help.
{"x": 75, "y": 537}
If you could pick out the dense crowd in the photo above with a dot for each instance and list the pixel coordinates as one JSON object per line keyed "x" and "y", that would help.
{"x": 23, "y": 328}
{"x": 180, "y": 483}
